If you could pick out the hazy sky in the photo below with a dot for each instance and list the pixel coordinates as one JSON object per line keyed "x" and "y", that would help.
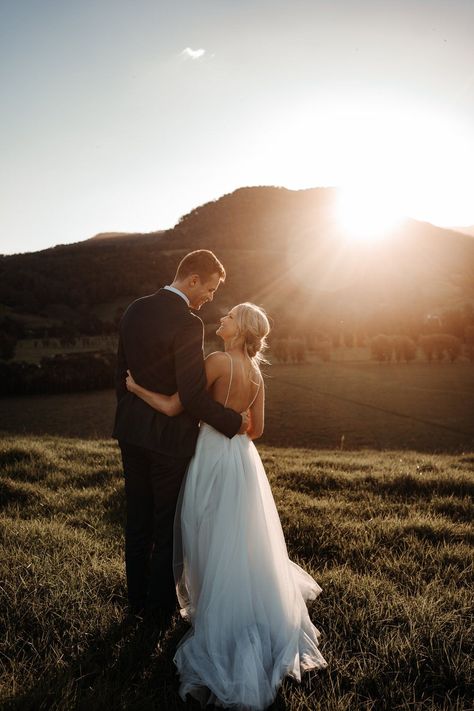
{"x": 125, "y": 114}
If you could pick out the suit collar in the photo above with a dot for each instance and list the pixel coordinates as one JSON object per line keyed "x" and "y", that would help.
{"x": 178, "y": 292}
{"x": 176, "y": 298}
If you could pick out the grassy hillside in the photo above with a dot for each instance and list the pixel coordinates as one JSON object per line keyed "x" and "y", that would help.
{"x": 387, "y": 535}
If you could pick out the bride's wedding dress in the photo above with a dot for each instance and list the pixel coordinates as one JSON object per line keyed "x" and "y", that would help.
{"x": 236, "y": 585}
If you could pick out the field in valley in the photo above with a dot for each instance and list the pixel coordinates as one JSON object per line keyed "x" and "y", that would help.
{"x": 346, "y": 403}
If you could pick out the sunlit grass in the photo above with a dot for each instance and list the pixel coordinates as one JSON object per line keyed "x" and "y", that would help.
{"x": 387, "y": 535}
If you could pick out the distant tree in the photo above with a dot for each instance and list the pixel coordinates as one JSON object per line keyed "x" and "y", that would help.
{"x": 297, "y": 350}
{"x": 448, "y": 345}
{"x": 438, "y": 346}
{"x": 381, "y": 347}
{"x": 7, "y": 345}
{"x": 427, "y": 345}
{"x": 441, "y": 345}
{"x": 404, "y": 348}
{"x": 280, "y": 350}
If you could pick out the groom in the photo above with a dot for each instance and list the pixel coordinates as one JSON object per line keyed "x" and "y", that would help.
{"x": 161, "y": 343}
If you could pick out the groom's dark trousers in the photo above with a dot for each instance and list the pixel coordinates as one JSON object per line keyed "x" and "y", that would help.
{"x": 152, "y": 484}
{"x": 160, "y": 342}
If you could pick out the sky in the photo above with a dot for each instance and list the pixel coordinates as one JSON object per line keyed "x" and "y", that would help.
{"x": 123, "y": 115}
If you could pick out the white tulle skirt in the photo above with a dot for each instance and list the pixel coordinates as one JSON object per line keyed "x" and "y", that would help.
{"x": 236, "y": 585}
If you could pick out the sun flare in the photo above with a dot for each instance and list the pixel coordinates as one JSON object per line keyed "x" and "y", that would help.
{"x": 365, "y": 214}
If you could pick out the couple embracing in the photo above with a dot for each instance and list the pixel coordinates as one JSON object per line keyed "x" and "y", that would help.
{"x": 201, "y": 519}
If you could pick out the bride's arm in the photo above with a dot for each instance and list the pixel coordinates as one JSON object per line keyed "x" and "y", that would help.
{"x": 257, "y": 414}
{"x": 167, "y": 404}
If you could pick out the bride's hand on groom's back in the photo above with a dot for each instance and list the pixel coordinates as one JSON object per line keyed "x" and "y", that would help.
{"x": 245, "y": 422}
{"x": 129, "y": 382}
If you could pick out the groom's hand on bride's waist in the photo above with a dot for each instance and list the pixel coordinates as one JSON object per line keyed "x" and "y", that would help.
{"x": 245, "y": 422}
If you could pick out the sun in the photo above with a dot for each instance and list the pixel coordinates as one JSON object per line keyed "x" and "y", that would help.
{"x": 366, "y": 213}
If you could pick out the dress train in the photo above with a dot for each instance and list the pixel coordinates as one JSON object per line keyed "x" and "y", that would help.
{"x": 245, "y": 599}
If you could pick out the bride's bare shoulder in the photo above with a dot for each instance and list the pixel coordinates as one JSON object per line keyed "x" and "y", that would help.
{"x": 217, "y": 366}
{"x": 217, "y": 361}
{"x": 218, "y": 356}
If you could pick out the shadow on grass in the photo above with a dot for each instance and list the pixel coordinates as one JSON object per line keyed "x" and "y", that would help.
{"x": 408, "y": 486}
{"x": 96, "y": 477}
{"x": 116, "y": 508}
{"x": 12, "y": 492}
{"x": 401, "y": 487}
{"x": 128, "y": 667}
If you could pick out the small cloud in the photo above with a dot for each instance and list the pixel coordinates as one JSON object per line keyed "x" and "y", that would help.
{"x": 189, "y": 53}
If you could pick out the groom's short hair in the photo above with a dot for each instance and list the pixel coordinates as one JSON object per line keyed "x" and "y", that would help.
{"x": 202, "y": 262}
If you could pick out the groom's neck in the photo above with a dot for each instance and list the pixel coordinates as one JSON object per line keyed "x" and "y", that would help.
{"x": 181, "y": 287}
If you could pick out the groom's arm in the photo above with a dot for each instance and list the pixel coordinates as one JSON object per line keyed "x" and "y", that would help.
{"x": 192, "y": 383}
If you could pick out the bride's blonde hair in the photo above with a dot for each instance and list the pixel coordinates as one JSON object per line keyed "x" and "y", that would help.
{"x": 253, "y": 328}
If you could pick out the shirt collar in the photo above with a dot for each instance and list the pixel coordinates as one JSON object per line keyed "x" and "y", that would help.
{"x": 177, "y": 291}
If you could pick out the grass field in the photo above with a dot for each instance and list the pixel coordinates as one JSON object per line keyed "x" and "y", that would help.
{"x": 387, "y": 536}
{"x": 354, "y": 404}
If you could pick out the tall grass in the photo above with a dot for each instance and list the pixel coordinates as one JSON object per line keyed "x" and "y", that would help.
{"x": 387, "y": 535}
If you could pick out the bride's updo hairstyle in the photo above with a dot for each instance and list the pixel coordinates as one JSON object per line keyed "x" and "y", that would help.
{"x": 253, "y": 328}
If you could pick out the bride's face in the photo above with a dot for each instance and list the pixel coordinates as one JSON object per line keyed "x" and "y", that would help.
{"x": 228, "y": 328}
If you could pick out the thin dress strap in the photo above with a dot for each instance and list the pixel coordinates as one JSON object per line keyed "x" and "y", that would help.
{"x": 231, "y": 374}
{"x": 258, "y": 390}
{"x": 230, "y": 383}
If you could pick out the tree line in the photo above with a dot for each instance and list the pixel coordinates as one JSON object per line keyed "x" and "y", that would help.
{"x": 63, "y": 373}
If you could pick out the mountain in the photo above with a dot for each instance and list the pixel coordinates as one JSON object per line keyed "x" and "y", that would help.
{"x": 116, "y": 235}
{"x": 108, "y": 235}
{"x": 281, "y": 248}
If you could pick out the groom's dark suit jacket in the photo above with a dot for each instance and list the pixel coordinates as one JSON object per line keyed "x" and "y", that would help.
{"x": 161, "y": 343}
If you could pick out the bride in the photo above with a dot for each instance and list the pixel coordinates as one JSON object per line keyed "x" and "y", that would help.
{"x": 235, "y": 583}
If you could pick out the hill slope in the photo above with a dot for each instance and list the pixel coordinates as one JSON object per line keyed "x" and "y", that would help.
{"x": 281, "y": 248}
